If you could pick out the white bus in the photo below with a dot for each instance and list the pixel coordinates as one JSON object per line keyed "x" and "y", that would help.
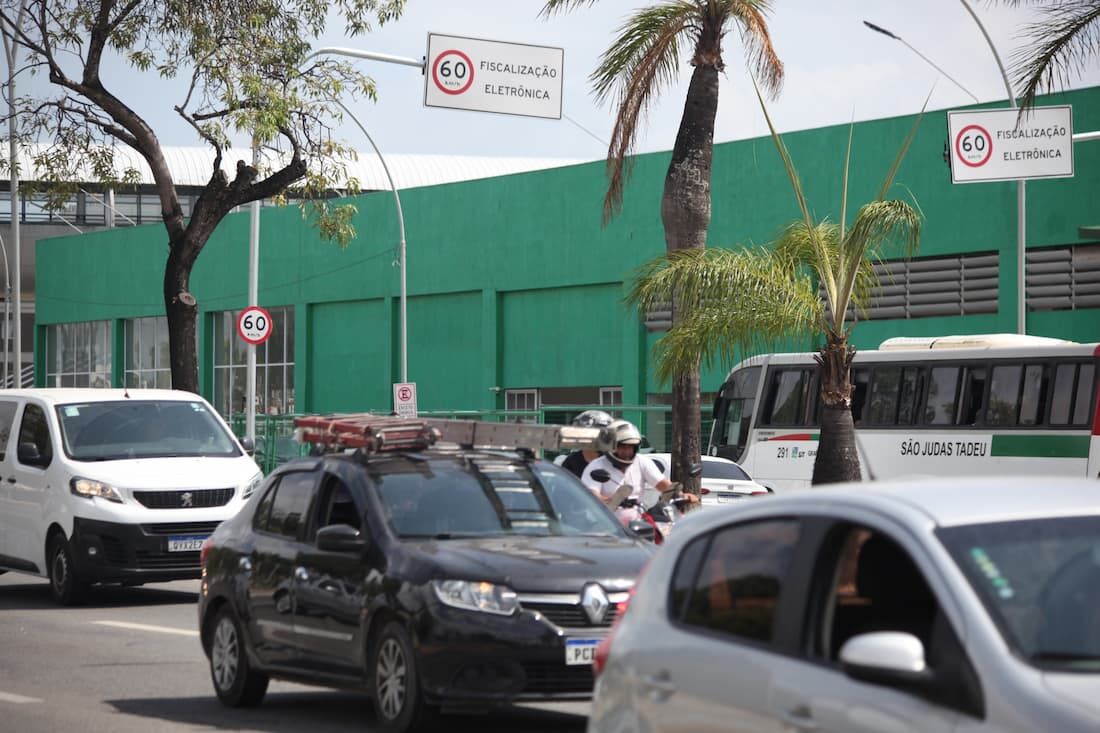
{"x": 956, "y": 406}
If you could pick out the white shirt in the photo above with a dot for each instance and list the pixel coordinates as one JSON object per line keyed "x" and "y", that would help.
{"x": 641, "y": 474}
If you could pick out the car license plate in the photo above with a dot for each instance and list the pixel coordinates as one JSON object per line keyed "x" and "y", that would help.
{"x": 724, "y": 498}
{"x": 580, "y": 651}
{"x": 186, "y": 544}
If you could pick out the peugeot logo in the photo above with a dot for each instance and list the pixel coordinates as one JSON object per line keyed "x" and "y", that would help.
{"x": 187, "y": 499}
{"x": 594, "y": 602}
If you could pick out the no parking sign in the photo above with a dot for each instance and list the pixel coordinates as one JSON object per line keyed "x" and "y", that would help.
{"x": 404, "y": 399}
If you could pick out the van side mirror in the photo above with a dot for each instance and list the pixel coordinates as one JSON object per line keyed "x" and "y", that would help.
{"x": 28, "y": 454}
{"x": 249, "y": 445}
{"x": 600, "y": 475}
{"x": 643, "y": 529}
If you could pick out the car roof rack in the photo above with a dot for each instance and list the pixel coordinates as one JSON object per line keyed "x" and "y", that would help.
{"x": 374, "y": 433}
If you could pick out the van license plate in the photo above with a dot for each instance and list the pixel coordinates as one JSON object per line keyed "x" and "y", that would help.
{"x": 580, "y": 651}
{"x": 185, "y": 544}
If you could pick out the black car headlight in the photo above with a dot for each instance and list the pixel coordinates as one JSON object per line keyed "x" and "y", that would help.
{"x": 472, "y": 595}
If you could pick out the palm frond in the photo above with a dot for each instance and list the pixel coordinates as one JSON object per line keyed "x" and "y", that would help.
{"x": 562, "y": 6}
{"x": 763, "y": 59}
{"x": 889, "y": 180}
{"x": 1060, "y": 45}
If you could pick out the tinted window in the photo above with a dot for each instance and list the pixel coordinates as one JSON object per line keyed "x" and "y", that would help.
{"x": 722, "y": 470}
{"x": 1083, "y": 400}
{"x": 739, "y": 581}
{"x": 142, "y": 428}
{"x": 939, "y": 408}
{"x": 7, "y": 417}
{"x": 1034, "y": 399}
{"x": 337, "y": 505}
{"x": 291, "y": 504}
{"x": 911, "y": 382}
{"x": 1061, "y": 404}
{"x": 786, "y": 398}
{"x": 1040, "y": 580}
{"x": 883, "y": 407}
{"x": 1004, "y": 394}
{"x": 35, "y": 430}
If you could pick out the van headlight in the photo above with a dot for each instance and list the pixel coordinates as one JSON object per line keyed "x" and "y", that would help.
{"x": 91, "y": 489}
{"x": 252, "y": 485}
{"x": 476, "y": 596}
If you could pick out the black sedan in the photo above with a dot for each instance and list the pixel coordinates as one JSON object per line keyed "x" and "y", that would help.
{"x": 434, "y": 579}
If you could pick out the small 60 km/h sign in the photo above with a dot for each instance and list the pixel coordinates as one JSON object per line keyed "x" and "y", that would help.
{"x": 254, "y": 325}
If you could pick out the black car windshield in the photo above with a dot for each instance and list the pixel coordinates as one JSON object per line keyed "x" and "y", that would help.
{"x": 105, "y": 431}
{"x": 1040, "y": 581}
{"x": 723, "y": 470}
{"x": 487, "y": 497}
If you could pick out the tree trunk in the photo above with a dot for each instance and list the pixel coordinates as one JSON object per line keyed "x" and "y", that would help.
{"x": 181, "y": 309}
{"x": 837, "y": 458}
{"x": 685, "y": 214}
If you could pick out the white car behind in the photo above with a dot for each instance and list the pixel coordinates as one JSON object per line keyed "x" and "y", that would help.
{"x": 723, "y": 480}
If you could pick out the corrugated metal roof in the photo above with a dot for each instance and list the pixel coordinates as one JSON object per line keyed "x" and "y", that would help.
{"x": 192, "y": 166}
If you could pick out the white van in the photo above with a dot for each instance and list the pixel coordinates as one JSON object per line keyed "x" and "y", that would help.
{"x": 114, "y": 485}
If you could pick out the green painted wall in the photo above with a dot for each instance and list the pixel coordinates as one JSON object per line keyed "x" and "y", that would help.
{"x": 514, "y": 281}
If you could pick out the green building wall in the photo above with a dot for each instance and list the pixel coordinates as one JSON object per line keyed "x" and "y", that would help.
{"x": 512, "y": 282}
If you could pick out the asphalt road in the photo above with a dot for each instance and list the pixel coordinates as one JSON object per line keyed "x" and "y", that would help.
{"x": 130, "y": 660}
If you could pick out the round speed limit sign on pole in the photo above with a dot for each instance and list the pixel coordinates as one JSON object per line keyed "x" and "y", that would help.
{"x": 973, "y": 146}
{"x": 254, "y": 325}
{"x": 453, "y": 72}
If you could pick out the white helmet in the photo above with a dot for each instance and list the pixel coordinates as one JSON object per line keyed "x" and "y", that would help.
{"x": 623, "y": 432}
{"x": 592, "y": 419}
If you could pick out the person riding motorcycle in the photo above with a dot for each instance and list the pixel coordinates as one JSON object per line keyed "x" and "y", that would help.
{"x": 625, "y": 466}
{"x": 576, "y": 461}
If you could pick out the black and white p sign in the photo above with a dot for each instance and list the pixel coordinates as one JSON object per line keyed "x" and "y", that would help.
{"x": 404, "y": 399}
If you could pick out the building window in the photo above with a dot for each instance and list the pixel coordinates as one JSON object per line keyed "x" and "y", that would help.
{"x": 522, "y": 400}
{"x": 79, "y": 354}
{"x": 611, "y": 396}
{"x": 147, "y": 360}
{"x": 274, "y": 365}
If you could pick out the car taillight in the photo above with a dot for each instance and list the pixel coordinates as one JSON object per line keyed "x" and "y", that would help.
{"x": 205, "y": 550}
{"x": 704, "y": 491}
{"x": 603, "y": 649}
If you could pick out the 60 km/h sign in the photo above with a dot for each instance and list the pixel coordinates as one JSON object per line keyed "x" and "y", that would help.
{"x": 492, "y": 76}
{"x": 254, "y": 325}
{"x": 1000, "y": 145}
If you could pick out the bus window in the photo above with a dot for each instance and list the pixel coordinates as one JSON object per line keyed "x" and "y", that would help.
{"x": 1004, "y": 395}
{"x": 733, "y": 412}
{"x": 785, "y": 403}
{"x": 861, "y": 378}
{"x": 943, "y": 384}
{"x": 973, "y": 392}
{"x": 884, "y": 396}
{"x": 1073, "y": 387}
{"x": 1034, "y": 399}
{"x": 908, "y": 400}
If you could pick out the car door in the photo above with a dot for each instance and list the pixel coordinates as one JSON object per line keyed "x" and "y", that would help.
{"x": 30, "y": 492}
{"x": 279, "y": 526}
{"x": 865, "y": 580}
{"x": 8, "y": 508}
{"x": 328, "y": 586}
{"x": 712, "y": 667}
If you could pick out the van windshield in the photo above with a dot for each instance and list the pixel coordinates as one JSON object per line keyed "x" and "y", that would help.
{"x": 107, "y": 431}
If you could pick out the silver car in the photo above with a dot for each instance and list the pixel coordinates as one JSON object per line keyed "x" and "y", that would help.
{"x": 931, "y": 605}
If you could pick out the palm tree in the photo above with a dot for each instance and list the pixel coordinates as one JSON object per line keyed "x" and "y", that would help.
{"x": 739, "y": 301}
{"x": 642, "y": 61}
{"x": 1059, "y": 45}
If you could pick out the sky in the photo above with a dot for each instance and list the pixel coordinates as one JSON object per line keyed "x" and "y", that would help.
{"x": 837, "y": 70}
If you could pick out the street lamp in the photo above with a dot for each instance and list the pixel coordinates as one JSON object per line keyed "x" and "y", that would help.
{"x": 7, "y": 307}
{"x": 355, "y": 53}
{"x": 1021, "y": 195}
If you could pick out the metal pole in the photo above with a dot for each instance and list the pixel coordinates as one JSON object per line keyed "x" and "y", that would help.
{"x": 13, "y": 165}
{"x": 1021, "y": 195}
{"x": 7, "y": 309}
{"x": 253, "y": 299}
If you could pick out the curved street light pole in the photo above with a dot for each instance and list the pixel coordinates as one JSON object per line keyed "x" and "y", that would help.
{"x": 7, "y": 309}
{"x": 356, "y": 53}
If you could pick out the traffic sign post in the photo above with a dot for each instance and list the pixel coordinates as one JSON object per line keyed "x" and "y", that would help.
{"x": 493, "y": 76}
{"x": 404, "y": 399}
{"x": 999, "y": 145}
{"x": 254, "y": 325}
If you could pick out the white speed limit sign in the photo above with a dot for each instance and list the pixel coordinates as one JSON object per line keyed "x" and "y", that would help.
{"x": 254, "y": 325}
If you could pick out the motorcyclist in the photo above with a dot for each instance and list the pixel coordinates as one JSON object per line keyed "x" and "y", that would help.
{"x": 624, "y": 465}
{"x": 577, "y": 460}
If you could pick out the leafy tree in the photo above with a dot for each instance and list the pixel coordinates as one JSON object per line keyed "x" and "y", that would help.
{"x": 1059, "y": 45}
{"x": 640, "y": 63}
{"x": 742, "y": 300}
{"x": 247, "y": 71}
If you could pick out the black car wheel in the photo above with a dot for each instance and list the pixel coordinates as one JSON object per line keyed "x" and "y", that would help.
{"x": 65, "y": 585}
{"x": 237, "y": 684}
{"x": 397, "y": 701}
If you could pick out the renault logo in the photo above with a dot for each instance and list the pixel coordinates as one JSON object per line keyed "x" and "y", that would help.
{"x": 594, "y": 602}
{"x": 187, "y": 499}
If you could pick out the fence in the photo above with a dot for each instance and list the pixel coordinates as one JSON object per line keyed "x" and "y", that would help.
{"x": 275, "y": 443}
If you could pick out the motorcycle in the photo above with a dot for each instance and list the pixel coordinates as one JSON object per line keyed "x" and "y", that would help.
{"x": 659, "y": 510}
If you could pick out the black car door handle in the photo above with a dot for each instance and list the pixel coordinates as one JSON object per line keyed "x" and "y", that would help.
{"x": 11, "y": 480}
